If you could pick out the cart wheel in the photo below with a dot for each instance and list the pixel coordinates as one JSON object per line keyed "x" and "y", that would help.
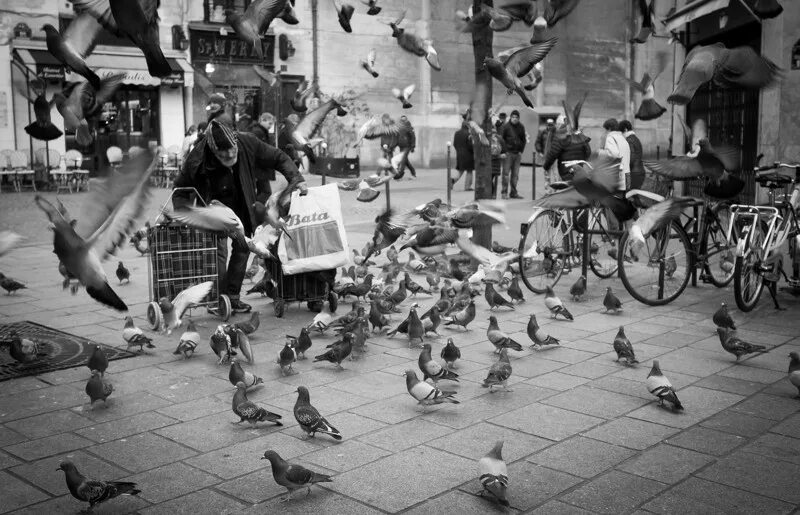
{"x": 154, "y": 316}
{"x": 224, "y": 307}
{"x": 333, "y": 301}
{"x": 279, "y": 306}
{"x": 315, "y": 306}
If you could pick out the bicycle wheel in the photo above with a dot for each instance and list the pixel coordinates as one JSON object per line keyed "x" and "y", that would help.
{"x": 603, "y": 248}
{"x": 656, "y": 272}
{"x": 748, "y": 282}
{"x": 543, "y": 250}
{"x": 719, "y": 253}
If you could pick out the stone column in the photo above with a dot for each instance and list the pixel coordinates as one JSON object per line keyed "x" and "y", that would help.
{"x": 422, "y": 125}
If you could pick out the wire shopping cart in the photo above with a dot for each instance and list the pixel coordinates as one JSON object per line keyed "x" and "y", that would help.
{"x": 180, "y": 257}
{"x": 313, "y": 288}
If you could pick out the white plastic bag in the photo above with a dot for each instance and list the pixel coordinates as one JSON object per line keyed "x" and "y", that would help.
{"x": 316, "y": 229}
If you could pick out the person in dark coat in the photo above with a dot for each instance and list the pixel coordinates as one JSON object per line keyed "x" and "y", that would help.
{"x": 285, "y": 139}
{"x": 263, "y": 128}
{"x": 515, "y": 138}
{"x": 465, "y": 158}
{"x": 502, "y": 118}
{"x": 637, "y": 167}
{"x": 498, "y": 151}
{"x": 217, "y": 105}
{"x": 568, "y": 147}
{"x": 407, "y": 142}
{"x": 234, "y": 168}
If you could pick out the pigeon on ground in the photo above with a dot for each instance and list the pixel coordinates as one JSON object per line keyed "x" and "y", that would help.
{"x": 554, "y": 304}
{"x": 369, "y": 63}
{"x": 94, "y": 491}
{"x": 670, "y": 266}
{"x": 309, "y": 418}
{"x": 220, "y": 343}
{"x": 189, "y": 341}
{"x": 623, "y": 348}
{"x": 134, "y": 336}
{"x": 288, "y": 355}
{"x": 463, "y": 317}
{"x": 722, "y": 318}
{"x": 10, "y": 285}
{"x": 251, "y": 325}
{"x": 430, "y": 324}
{"x": 97, "y": 388}
{"x": 345, "y": 14}
{"x": 339, "y": 351}
{"x": 256, "y": 19}
{"x": 514, "y": 291}
{"x": 499, "y": 372}
{"x": 578, "y": 290}
{"x": 494, "y": 475}
{"x": 414, "y": 44}
{"x": 73, "y": 46}
{"x": 123, "y": 274}
{"x": 237, "y": 375}
{"x": 537, "y": 336}
{"x": 425, "y": 393}
{"x": 413, "y": 286}
{"x": 450, "y": 353}
{"x": 794, "y": 371}
{"x": 731, "y": 343}
{"x": 659, "y": 385}
{"x": 293, "y": 477}
{"x": 24, "y": 350}
{"x": 98, "y": 360}
{"x": 431, "y": 369}
{"x": 266, "y": 287}
{"x": 494, "y": 299}
{"x": 499, "y": 339}
{"x": 303, "y": 343}
{"x": 416, "y": 329}
{"x": 376, "y": 317}
{"x": 174, "y": 310}
{"x": 611, "y": 302}
{"x": 249, "y": 411}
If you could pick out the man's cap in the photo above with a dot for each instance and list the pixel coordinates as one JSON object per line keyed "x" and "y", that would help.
{"x": 216, "y": 102}
{"x": 514, "y": 113}
{"x": 221, "y": 135}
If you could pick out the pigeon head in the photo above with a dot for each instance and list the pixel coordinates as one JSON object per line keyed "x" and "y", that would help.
{"x": 95, "y": 373}
{"x": 271, "y": 455}
{"x": 621, "y": 331}
{"x": 165, "y": 305}
{"x": 191, "y": 326}
{"x": 66, "y": 466}
{"x": 49, "y": 29}
{"x": 291, "y": 340}
{"x": 795, "y": 357}
{"x": 302, "y": 394}
{"x": 492, "y": 321}
{"x": 288, "y": 15}
{"x": 656, "y": 368}
{"x": 723, "y": 304}
{"x": 427, "y": 347}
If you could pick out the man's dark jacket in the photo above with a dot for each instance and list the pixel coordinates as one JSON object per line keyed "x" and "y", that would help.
{"x": 465, "y": 159}
{"x": 255, "y": 167}
{"x": 514, "y": 136}
{"x": 569, "y": 147}
{"x": 637, "y": 167}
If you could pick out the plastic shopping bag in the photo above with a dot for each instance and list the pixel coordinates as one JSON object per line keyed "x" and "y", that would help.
{"x": 317, "y": 240}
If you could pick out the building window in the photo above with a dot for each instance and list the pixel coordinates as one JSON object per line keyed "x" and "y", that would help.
{"x": 214, "y": 10}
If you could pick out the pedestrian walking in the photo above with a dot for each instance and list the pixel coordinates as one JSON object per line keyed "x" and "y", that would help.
{"x": 406, "y": 142}
{"x": 498, "y": 149}
{"x": 515, "y": 138}
{"x": 637, "y": 167}
{"x": 465, "y": 158}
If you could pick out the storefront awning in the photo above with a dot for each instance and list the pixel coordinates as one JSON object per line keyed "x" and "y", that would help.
{"x": 692, "y": 11}
{"x": 133, "y": 66}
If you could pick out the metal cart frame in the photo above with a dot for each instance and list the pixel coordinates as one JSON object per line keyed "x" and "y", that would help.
{"x": 314, "y": 288}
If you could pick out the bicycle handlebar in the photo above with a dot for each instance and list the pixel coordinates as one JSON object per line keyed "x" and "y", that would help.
{"x": 775, "y": 166}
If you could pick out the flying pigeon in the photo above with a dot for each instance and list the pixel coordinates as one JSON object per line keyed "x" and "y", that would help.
{"x": 432, "y": 369}
{"x": 537, "y": 336}
{"x": 499, "y": 372}
{"x": 339, "y": 351}
{"x": 305, "y": 91}
{"x": 135, "y": 336}
{"x": 94, "y": 491}
{"x": 450, "y": 353}
{"x": 237, "y": 375}
{"x": 656, "y": 217}
{"x": 251, "y": 325}
{"x": 659, "y": 385}
{"x": 10, "y": 285}
{"x": 256, "y": 19}
{"x": 215, "y": 217}
{"x": 518, "y": 65}
{"x": 98, "y": 360}
{"x": 404, "y": 96}
{"x": 648, "y": 15}
{"x": 72, "y": 47}
{"x": 8, "y": 241}
{"x": 611, "y": 302}
{"x": 288, "y": 355}
{"x": 42, "y": 127}
{"x": 463, "y": 317}
{"x": 249, "y": 411}
{"x": 372, "y": 5}
{"x": 302, "y": 135}
{"x": 293, "y": 477}
{"x": 794, "y": 371}
{"x": 649, "y": 109}
{"x": 345, "y": 13}
{"x": 555, "y": 10}
{"x": 554, "y": 304}
{"x": 97, "y": 388}
{"x": 623, "y": 348}
{"x": 221, "y": 344}
{"x": 494, "y": 475}
{"x": 309, "y": 418}
{"x": 494, "y": 299}
{"x": 733, "y": 344}
{"x": 722, "y": 318}
{"x": 82, "y": 102}
{"x": 499, "y": 339}
{"x": 174, "y": 310}
{"x": 412, "y": 43}
{"x": 426, "y": 394}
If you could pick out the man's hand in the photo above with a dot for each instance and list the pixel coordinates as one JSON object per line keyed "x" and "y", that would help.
{"x": 303, "y": 189}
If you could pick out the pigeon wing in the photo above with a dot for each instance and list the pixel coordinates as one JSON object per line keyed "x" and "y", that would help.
{"x": 307, "y": 415}
{"x": 91, "y": 490}
{"x": 262, "y": 12}
{"x": 247, "y": 409}
{"x": 661, "y": 214}
{"x": 728, "y": 155}
{"x": 565, "y": 199}
{"x": 521, "y": 62}
{"x": 299, "y": 475}
{"x": 408, "y": 91}
{"x": 743, "y": 67}
{"x": 680, "y": 167}
{"x": 100, "y": 10}
{"x": 375, "y": 128}
{"x": 190, "y": 297}
{"x": 81, "y": 33}
{"x": 698, "y": 68}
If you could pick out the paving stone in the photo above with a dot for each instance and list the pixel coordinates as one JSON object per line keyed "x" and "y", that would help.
{"x": 170, "y": 481}
{"x": 404, "y": 479}
{"x": 195, "y": 409}
{"x": 9, "y": 437}
{"x": 757, "y": 474}
{"x": 533, "y": 485}
{"x": 320, "y": 502}
{"x": 404, "y": 435}
{"x": 707, "y": 441}
{"x": 595, "y": 402}
{"x": 6, "y": 461}
{"x": 631, "y": 433}
{"x": 67, "y": 504}
{"x": 354, "y": 425}
{"x": 557, "y": 381}
{"x": 256, "y": 486}
{"x": 122, "y": 407}
{"x": 44, "y": 473}
{"x": 204, "y": 501}
{"x": 582, "y": 457}
{"x": 48, "y": 424}
{"x": 671, "y": 502}
{"x": 775, "y": 446}
{"x": 532, "y": 367}
{"x": 729, "y": 499}
{"x": 182, "y": 389}
{"x": 142, "y": 452}
{"x": 699, "y": 403}
{"x": 16, "y": 494}
{"x": 346, "y": 456}
{"x": 108, "y": 431}
{"x": 729, "y": 384}
{"x": 475, "y": 441}
{"x": 614, "y": 383}
{"x": 326, "y": 399}
{"x": 738, "y": 423}
{"x": 614, "y": 492}
{"x": 546, "y": 421}
{"x": 693, "y": 362}
{"x": 768, "y": 406}
{"x": 588, "y": 370}
{"x": 746, "y": 372}
{"x": 789, "y": 427}
{"x": 666, "y": 463}
{"x": 216, "y": 431}
{"x": 48, "y": 446}
{"x": 456, "y": 501}
{"x": 566, "y": 354}
{"x": 29, "y": 403}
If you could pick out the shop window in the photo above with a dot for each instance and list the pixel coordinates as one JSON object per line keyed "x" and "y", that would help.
{"x": 214, "y": 10}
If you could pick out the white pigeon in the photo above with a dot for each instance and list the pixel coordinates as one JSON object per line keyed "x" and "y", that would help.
{"x": 133, "y": 335}
{"x": 189, "y": 340}
{"x": 494, "y": 474}
{"x": 425, "y": 393}
{"x": 216, "y": 217}
{"x": 173, "y": 310}
{"x": 659, "y": 385}
{"x": 554, "y": 304}
{"x": 404, "y": 96}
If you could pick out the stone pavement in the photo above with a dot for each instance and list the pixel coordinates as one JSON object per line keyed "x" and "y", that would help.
{"x": 582, "y": 434}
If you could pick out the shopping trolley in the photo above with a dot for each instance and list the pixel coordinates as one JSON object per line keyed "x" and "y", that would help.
{"x": 313, "y": 288}
{"x": 180, "y": 257}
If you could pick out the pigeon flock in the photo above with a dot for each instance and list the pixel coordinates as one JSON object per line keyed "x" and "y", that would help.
{"x": 377, "y": 290}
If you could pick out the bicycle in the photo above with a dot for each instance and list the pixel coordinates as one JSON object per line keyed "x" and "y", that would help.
{"x": 765, "y": 230}
{"x": 700, "y": 240}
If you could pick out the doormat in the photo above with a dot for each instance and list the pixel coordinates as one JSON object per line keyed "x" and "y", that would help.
{"x": 63, "y": 350}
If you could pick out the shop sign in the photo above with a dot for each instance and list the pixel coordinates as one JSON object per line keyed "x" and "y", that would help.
{"x": 207, "y": 45}
{"x": 50, "y": 72}
{"x": 172, "y": 80}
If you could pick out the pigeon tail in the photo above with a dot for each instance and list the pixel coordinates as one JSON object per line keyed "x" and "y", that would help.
{"x": 107, "y": 296}
{"x": 43, "y": 131}
{"x": 650, "y": 110}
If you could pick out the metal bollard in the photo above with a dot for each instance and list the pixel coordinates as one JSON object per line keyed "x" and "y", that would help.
{"x": 533, "y": 175}
{"x": 388, "y": 195}
{"x": 447, "y": 179}
{"x": 658, "y": 152}
{"x": 324, "y": 169}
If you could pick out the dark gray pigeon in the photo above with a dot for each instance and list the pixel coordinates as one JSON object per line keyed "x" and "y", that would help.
{"x": 733, "y": 344}
{"x": 293, "y": 477}
{"x": 72, "y": 47}
{"x": 309, "y": 418}
{"x": 94, "y": 491}
{"x": 624, "y": 348}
